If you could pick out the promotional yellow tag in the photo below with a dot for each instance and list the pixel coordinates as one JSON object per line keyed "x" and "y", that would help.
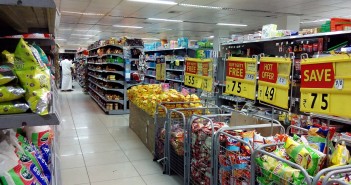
{"x": 177, "y": 62}
{"x": 193, "y": 81}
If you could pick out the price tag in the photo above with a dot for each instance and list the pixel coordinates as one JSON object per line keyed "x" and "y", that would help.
{"x": 233, "y": 87}
{"x": 267, "y": 94}
{"x": 250, "y": 77}
{"x": 207, "y": 84}
{"x": 193, "y": 81}
{"x": 316, "y": 102}
{"x": 282, "y": 81}
{"x": 339, "y": 84}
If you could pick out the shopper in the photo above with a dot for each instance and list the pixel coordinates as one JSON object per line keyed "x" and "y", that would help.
{"x": 67, "y": 70}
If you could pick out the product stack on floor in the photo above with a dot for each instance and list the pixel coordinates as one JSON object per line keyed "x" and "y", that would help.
{"x": 175, "y": 92}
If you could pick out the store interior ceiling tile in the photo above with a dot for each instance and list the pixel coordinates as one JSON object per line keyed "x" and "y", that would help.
{"x": 78, "y": 29}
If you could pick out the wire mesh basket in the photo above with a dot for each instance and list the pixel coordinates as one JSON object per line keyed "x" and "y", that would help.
{"x": 177, "y": 135}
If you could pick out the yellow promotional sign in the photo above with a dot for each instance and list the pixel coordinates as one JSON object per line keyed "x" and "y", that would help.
{"x": 274, "y": 81}
{"x": 326, "y": 85}
{"x": 160, "y": 69}
{"x": 198, "y": 73}
{"x": 241, "y": 74}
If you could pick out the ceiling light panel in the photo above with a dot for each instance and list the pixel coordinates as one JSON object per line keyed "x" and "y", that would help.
{"x": 165, "y": 20}
{"x": 315, "y": 21}
{"x": 155, "y": 2}
{"x": 83, "y": 35}
{"x": 82, "y": 13}
{"x": 122, "y": 26}
{"x": 229, "y": 24}
{"x": 200, "y": 6}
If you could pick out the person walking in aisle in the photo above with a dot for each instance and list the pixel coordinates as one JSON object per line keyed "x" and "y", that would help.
{"x": 67, "y": 70}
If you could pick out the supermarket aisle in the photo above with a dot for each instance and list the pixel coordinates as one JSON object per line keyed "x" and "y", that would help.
{"x": 97, "y": 149}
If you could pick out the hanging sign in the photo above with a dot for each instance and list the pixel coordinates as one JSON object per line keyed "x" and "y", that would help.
{"x": 274, "y": 81}
{"x": 160, "y": 69}
{"x": 198, "y": 73}
{"x": 241, "y": 75}
{"x": 326, "y": 85}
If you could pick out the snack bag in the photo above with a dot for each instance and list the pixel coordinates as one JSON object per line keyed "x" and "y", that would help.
{"x": 26, "y": 59}
{"x": 13, "y": 107}
{"x": 42, "y": 55}
{"x": 12, "y": 171}
{"x": 39, "y": 101}
{"x": 340, "y": 156}
{"x": 9, "y": 93}
{"x": 8, "y": 57}
{"x": 6, "y": 74}
{"x": 41, "y": 137}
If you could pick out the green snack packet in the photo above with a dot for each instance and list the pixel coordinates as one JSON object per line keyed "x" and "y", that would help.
{"x": 9, "y": 93}
{"x": 42, "y": 55}
{"x": 25, "y": 59}
{"x": 13, "y": 107}
{"x": 38, "y": 101}
{"x": 6, "y": 75}
{"x": 34, "y": 79}
{"x": 8, "y": 57}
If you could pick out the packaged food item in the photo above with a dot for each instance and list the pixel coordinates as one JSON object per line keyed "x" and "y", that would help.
{"x": 6, "y": 74}
{"x": 42, "y": 55}
{"x": 9, "y": 93}
{"x": 41, "y": 137}
{"x": 340, "y": 156}
{"x": 13, "y": 107}
{"x": 8, "y": 57}
{"x": 38, "y": 101}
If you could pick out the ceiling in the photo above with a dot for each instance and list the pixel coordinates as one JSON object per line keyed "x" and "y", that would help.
{"x": 79, "y": 30}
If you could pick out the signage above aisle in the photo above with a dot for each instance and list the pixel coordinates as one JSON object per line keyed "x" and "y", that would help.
{"x": 198, "y": 73}
{"x": 241, "y": 75}
{"x": 326, "y": 85}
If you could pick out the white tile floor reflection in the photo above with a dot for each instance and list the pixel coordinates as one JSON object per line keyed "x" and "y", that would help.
{"x": 99, "y": 149}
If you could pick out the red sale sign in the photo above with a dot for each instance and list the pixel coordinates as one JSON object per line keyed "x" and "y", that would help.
{"x": 191, "y": 67}
{"x": 236, "y": 69}
{"x": 317, "y": 75}
{"x": 205, "y": 69}
{"x": 268, "y": 72}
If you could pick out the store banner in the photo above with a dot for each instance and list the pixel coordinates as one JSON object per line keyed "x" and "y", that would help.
{"x": 241, "y": 74}
{"x": 274, "y": 81}
{"x": 198, "y": 73}
{"x": 326, "y": 85}
{"x": 160, "y": 69}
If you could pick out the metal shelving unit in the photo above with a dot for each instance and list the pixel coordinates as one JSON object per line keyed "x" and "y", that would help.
{"x": 101, "y": 75}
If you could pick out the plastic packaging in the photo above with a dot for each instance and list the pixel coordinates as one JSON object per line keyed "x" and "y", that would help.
{"x": 6, "y": 74}
{"x": 13, "y": 107}
{"x": 9, "y": 93}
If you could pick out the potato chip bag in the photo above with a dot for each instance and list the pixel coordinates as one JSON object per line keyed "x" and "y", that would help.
{"x": 9, "y": 93}
{"x": 6, "y": 75}
{"x": 8, "y": 57}
{"x": 340, "y": 156}
{"x": 42, "y": 55}
{"x": 13, "y": 107}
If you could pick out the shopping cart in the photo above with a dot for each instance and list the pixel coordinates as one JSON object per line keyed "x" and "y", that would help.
{"x": 199, "y": 159}
{"x": 334, "y": 175}
{"x": 177, "y": 135}
{"x": 232, "y": 154}
{"x": 160, "y": 129}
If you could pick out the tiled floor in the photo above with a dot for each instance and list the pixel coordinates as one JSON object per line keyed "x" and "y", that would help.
{"x": 99, "y": 149}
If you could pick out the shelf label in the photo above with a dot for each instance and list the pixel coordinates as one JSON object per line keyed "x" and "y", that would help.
{"x": 241, "y": 76}
{"x": 326, "y": 85}
{"x": 274, "y": 81}
{"x": 198, "y": 73}
{"x": 160, "y": 69}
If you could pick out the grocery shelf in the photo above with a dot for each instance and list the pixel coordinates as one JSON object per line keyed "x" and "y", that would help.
{"x": 108, "y": 45}
{"x": 106, "y": 63}
{"x": 152, "y": 76}
{"x": 104, "y": 98}
{"x": 180, "y": 60}
{"x": 180, "y": 70}
{"x": 290, "y": 37}
{"x": 104, "y": 71}
{"x": 95, "y": 56}
{"x": 232, "y": 98}
{"x": 159, "y": 50}
{"x": 104, "y": 55}
{"x": 107, "y": 89}
{"x": 174, "y": 80}
{"x": 27, "y": 119}
{"x": 110, "y": 81}
{"x": 111, "y": 112}
{"x": 151, "y": 67}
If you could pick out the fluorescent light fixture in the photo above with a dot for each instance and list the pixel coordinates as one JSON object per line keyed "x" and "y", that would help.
{"x": 228, "y": 24}
{"x": 211, "y": 36}
{"x": 319, "y": 20}
{"x": 88, "y": 30}
{"x": 200, "y": 6}
{"x": 167, "y": 20}
{"x": 155, "y": 2}
{"x": 84, "y": 38}
{"x": 82, "y": 13}
{"x": 121, "y": 26}
{"x": 82, "y": 35}
{"x": 65, "y": 29}
{"x": 60, "y": 39}
{"x": 166, "y": 29}
{"x": 73, "y": 44}
{"x": 150, "y": 38}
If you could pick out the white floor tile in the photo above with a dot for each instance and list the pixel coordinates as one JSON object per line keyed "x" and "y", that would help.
{"x": 68, "y": 133}
{"x": 92, "y": 131}
{"x": 94, "y": 159}
{"x": 100, "y": 147}
{"x": 124, "y": 181}
{"x": 138, "y": 154}
{"x": 72, "y": 161}
{"x": 104, "y": 138}
{"x": 160, "y": 179}
{"x": 147, "y": 167}
{"x": 74, "y": 176}
{"x": 131, "y": 144}
{"x": 69, "y": 141}
{"x": 111, "y": 172}
{"x": 66, "y": 150}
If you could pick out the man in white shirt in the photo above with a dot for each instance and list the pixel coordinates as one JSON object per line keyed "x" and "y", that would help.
{"x": 67, "y": 69}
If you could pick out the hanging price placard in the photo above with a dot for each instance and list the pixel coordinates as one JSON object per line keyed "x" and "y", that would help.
{"x": 198, "y": 73}
{"x": 160, "y": 69}
{"x": 241, "y": 74}
{"x": 274, "y": 81}
{"x": 326, "y": 85}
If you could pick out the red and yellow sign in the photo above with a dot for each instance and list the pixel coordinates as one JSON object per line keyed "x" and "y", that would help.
{"x": 160, "y": 69}
{"x": 198, "y": 73}
{"x": 326, "y": 85}
{"x": 274, "y": 81}
{"x": 241, "y": 74}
